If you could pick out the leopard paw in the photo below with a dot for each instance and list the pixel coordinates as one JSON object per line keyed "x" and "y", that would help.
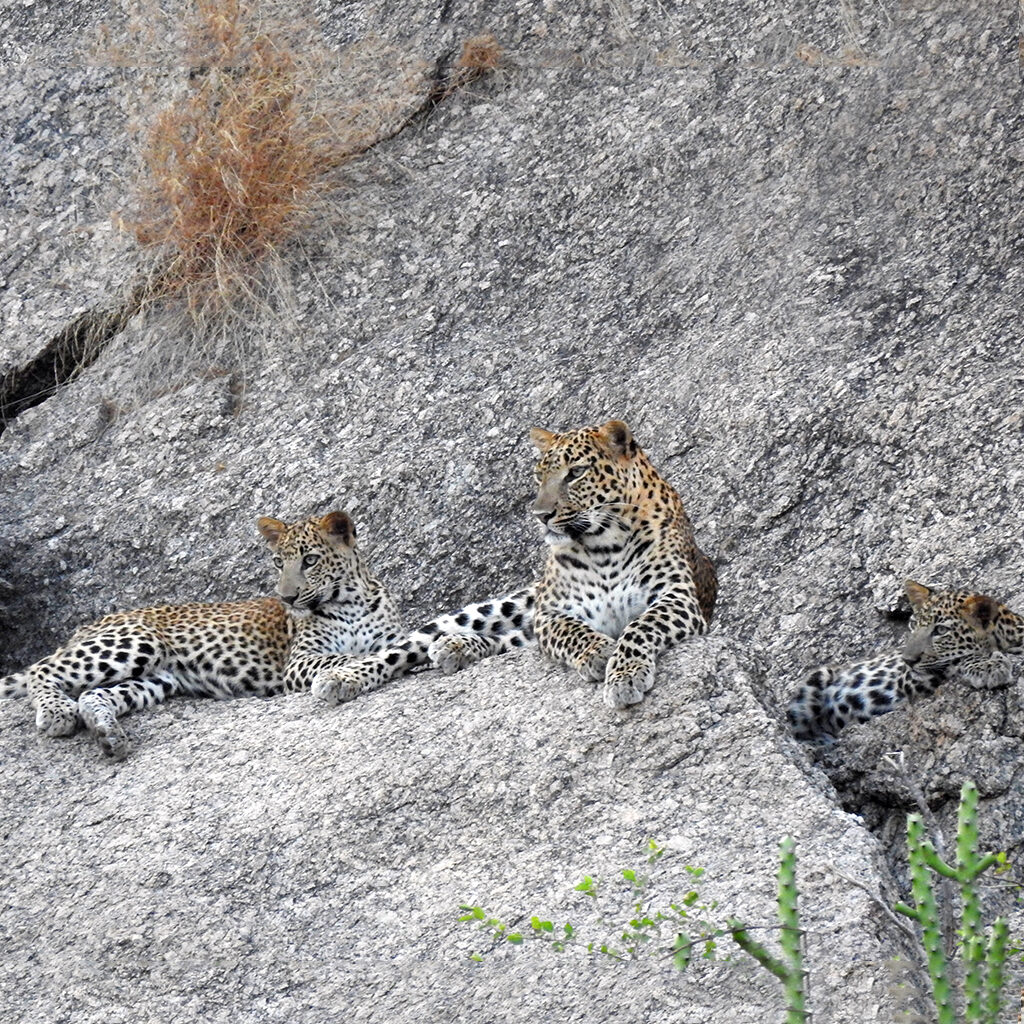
{"x": 453, "y": 653}
{"x": 101, "y": 721}
{"x": 593, "y": 664}
{"x": 627, "y": 681}
{"x": 992, "y": 673}
{"x": 56, "y": 715}
{"x": 335, "y": 686}
{"x": 346, "y": 682}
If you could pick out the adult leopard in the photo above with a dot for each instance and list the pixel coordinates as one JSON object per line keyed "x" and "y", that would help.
{"x": 328, "y": 606}
{"x": 957, "y": 635}
{"x": 624, "y": 578}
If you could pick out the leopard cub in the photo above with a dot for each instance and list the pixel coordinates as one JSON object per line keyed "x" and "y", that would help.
{"x": 956, "y": 635}
{"x": 328, "y": 607}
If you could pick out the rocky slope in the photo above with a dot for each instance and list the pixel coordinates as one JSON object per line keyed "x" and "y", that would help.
{"x": 783, "y": 242}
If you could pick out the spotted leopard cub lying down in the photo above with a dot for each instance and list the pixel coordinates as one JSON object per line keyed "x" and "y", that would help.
{"x": 328, "y": 606}
{"x": 956, "y": 635}
{"x": 624, "y": 577}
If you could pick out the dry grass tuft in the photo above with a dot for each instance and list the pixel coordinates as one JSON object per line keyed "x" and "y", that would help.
{"x": 235, "y": 168}
{"x": 238, "y": 169}
{"x": 480, "y": 54}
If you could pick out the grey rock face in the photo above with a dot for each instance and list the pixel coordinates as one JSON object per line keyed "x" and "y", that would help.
{"x": 782, "y": 243}
{"x": 279, "y": 861}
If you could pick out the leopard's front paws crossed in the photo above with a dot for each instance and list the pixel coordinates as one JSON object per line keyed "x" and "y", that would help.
{"x": 627, "y": 681}
{"x": 594, "y": 660}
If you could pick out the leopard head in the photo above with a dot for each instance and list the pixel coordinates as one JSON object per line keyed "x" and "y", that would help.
{"x": 961, "y": 633}
{"x": 316, "y": 559}
{"x": 585, "y": 480}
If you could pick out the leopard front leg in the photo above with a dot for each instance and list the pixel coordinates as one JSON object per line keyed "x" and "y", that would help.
{"x": 351, "y": 677}
{"x": 56, "y": 712}
{"x": 452, "y": 653}
{"x": 346, "y": 682}
{"x": 572, "y": 642}
{"x": 630, "y": 672}
{"x": 100, "y": 708}
{"x": 988, "y": 671}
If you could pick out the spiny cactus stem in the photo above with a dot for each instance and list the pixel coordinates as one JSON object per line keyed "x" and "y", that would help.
{"x": 937, "y": 864}
{"x": 981, "y": 866}
{"x": 750, "y": 945}
{"x": 969, "y": 867}
{"x": 902, "y": 908}
{"x": 994, "y": 978}
{"x": 792, "y": 982}
{"x": 973, "y": 950}
{"x": 967, "y": 825}
{"x": 927, "y": 915}
{"x": 792, "y": 936}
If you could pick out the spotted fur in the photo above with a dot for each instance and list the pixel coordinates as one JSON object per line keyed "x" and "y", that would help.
{"x": 449, "y": 642}
{"x": 328, "y": 606}
{"x": 624, "y": 578}
{"x": 956, "y": 635}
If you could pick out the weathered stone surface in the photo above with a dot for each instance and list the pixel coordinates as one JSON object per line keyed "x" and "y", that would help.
{"x": 783, "y": 243}
{"x": 924, "y": 752}
{"x": 296, "y": 861}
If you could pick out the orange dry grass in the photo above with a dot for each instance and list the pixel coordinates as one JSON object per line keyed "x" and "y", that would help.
{"x": 481, "y": 54}
{"x": 233, "y": 169}
{"x": 237, "y": 168}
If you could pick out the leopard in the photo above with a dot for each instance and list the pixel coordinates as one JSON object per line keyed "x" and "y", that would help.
{"x": 327, "y": 607}
{"x": 623, "y": 580}
{"x": 450, "y": 642}
{"x": 956, "y": 636}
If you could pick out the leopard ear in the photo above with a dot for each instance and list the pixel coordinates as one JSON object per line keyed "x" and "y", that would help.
{"x": 542, "y": 439}
{"x": 982, "y": 610}
{"x": 339, "y": 528}
{"x": 617, "y": 439}
{"x": 917, "y": 594}
{"x": 272, "y": 530}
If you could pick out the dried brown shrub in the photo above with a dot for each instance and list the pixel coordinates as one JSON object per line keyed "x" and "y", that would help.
{"x": 235, "y": 169}
{"x": 480, "y": 56}
{"x": 481, "y": 53}
{"x": 240, "y": 167}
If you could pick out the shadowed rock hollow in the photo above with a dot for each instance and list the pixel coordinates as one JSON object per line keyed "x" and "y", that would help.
{"x": 783, "y": 243}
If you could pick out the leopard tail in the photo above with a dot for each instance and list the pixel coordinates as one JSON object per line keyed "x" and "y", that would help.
{"x": 14, "y": 686}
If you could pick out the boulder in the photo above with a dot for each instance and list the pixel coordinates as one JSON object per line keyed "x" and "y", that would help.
{"x": 781, "y": 241}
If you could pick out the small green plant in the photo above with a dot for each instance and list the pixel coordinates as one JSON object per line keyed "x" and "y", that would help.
{"x": 684, "y": 920}
{"x": 647, "y": 930}
{"x": 984, "y": 957}
{"x": 676, "y": 932}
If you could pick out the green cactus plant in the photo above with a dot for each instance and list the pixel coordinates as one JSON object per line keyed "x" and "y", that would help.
{"x": 790, "y": 969}
{"x": 983, "y": 959}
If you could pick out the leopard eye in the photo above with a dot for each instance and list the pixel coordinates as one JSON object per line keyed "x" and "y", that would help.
{"x": 941, "y": 628}
{"x": 309, "y": 561}
{"x": 278, "y": 562}
{"x": 575, "y": 472}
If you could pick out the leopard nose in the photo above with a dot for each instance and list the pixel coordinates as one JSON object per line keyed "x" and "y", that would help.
{"x": 288, "y": 598}
{"x": 544, "y": 514}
